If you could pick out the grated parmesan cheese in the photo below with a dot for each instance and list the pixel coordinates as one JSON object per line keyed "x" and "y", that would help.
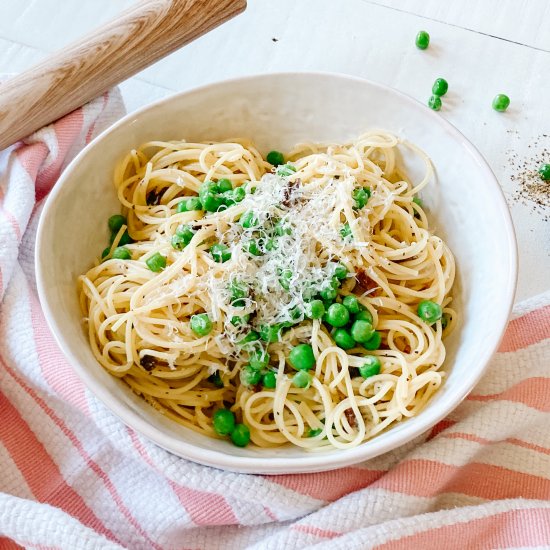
{"x": 305, "y": 255}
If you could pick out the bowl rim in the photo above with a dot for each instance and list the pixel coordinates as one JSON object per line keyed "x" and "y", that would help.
{"x": 308, "y": 462}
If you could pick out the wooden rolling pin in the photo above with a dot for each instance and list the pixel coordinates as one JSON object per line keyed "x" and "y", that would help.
{"x": 135, "y": 39}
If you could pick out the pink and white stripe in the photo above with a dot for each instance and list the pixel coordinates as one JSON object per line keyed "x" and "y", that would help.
{"x": 72, "y": 476}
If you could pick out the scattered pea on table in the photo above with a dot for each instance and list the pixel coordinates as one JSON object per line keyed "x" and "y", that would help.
{"x": 422, "y": 40}
{"x": 435, "y": 103}
{"x": 440, "y": 87}
{"x": 501, "y": 102}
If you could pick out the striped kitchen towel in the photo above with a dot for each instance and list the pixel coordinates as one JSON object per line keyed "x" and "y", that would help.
{"x": 72, "y": 476}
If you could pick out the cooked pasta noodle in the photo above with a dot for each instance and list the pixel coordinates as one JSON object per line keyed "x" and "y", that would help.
{"x": 337, "y": 220}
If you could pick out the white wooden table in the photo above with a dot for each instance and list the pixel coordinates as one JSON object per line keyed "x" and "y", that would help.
{"x": 481, "y": 47}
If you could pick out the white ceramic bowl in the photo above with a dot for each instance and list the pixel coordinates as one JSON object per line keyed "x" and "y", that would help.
{"x": 276, "y": 111}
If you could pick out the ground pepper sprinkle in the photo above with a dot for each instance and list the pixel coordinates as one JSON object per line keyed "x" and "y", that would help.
{"x": 530, "y": 188}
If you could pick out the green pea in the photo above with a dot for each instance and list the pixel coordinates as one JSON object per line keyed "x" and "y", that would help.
{"x": 182, "y": 206}
{"x": 207, "y": 188}
{"x": 335, "y": 282}
{"x": 209, "y": 197}
{"x": 429, "y": 311}
{"x": 284, "y": 280}
{"x": 282, "y": 228}
{"x": 337, "y": 315}
{"x": 271, "y": 245}
{"x": 435, "y": 103}
{"x": 328, "y": 293}
{"x": 252, "y": 248}
{"x": 223, "y": 421}
{"x": 201, "y": 324}
{"x": 501, "y": 102}
{"x": 345, "y": 231}
{"x": 156, "y": 263}
{"x": 374, "y": 341}
{"x": 240, "y": 321}
{"x": 227, "y": 198}
{"x": 124, "y": 239}
{"x": 116, "y": 222}
{"x": 121, "y": 253}
{"x": 240, "y": 435}
{"x": 341, "y": 271}
{"x": 178, "y": 242}
{"x": 271, "y": 333}
{"x": 352, "y": 303}
{"x": 224, "y": 185}
{"x": 364, "y": 315}
{"x": 301, "y": 357}
{"x": 237, "y": 292}
{"x": 259, "y": 359}
{"x": 216, "y": 379}
{"x": 361, "y": 331}
{"x": 544, "y": 172}
{"x": 194, "y": 203}
{"x": 314, "y": 432}
{"x": 360, "y": 196}
{"x": 185, "y": 232}
{"x": 220, "y": 252}
{"x": 370, "y": 367}
{"x": 275, "y": 158}
{"x": 249, "y": 220}
{"x": 252, "y": 336}
{"x": 440, "y": 87}
{"x": 249, "y": 376}
{"x": 296, "y": 313}
{"x": 239, "y": 193}
{"x": 285, "y": 170}
{"x": 422, "y": 40}
{"x": 212, "y": 203}
{"x": 105, "y": 252}
{"x": 343, "y": 338}
{"x": 269, "y": 380}
{"x": 302, "y": 379}
{"x": 315, "y": 309}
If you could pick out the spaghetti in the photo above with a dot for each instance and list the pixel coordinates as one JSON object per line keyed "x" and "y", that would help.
{"x": 309, "y": 299}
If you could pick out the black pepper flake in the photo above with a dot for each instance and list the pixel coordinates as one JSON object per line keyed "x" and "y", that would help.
{"x": 275, "y": 39}
{"x": 148, "y": 362}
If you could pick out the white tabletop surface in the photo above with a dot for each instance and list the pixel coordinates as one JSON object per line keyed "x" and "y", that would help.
{"x": 481, "y": 47}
